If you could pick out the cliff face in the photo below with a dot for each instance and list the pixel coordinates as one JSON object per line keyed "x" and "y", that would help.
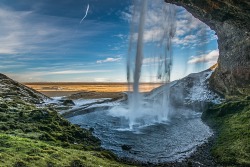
{"x": 230, "y": 20}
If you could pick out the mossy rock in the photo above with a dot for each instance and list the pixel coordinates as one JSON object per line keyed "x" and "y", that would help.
{"x": 76, "y": 163}
{"x": 67, "y": 102}
{"x": 3, "y": 106}
{"x": 20, "y": 164}
{"x": 232, "y": 122}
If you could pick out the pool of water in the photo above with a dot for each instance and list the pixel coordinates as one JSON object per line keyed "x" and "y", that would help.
{"x": 156, "y": 142}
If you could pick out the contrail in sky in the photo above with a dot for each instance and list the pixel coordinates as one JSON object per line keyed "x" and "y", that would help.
{"x": 85, "y": 14}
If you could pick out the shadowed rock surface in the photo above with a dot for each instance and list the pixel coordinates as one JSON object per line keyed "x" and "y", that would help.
{"x": 230, "y": 20}
{"x": 190, "y": 92}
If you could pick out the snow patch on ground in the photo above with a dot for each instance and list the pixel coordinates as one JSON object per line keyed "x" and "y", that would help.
{"x": 109, "y": 104}
{"x": 53, "y": 100}
{"x": 200, "y": 90}
{"x": 191, "y": 91}
{"x": 83, "y": 102}
{"x": 88, "y": 104}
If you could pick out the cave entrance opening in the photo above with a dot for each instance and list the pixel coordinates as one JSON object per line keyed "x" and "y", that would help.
{"x": 170, "y": 37}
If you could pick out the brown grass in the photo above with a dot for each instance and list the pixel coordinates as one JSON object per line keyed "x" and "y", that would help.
{"x": 66, "y": 89}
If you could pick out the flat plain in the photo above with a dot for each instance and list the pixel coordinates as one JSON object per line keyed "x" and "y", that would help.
{"x": 68, "y": 88}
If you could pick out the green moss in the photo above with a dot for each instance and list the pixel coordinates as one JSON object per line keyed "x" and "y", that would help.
{"x": 47, "y": 126}
{"x": 232, "y": 122}
{"x": 17, "y": 151}
{"x": 31, "y": 136}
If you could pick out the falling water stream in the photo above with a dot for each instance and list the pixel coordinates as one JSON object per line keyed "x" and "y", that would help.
{"x": 135, "y": 59}
{"x": 153, "y": 129}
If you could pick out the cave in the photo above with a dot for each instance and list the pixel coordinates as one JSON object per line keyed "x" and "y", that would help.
{"x": 207, "y": 130}
{"x": 229, "y": 19}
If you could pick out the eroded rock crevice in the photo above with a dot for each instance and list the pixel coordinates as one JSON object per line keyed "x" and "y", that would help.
{"x": 230, "y": 20}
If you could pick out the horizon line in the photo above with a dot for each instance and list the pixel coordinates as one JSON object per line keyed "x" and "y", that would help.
{"x": 66, "y": 82}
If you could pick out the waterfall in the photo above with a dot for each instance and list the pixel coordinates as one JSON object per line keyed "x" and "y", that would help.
{"x": 135, "y": 97}
{"x": 156, "y": 32}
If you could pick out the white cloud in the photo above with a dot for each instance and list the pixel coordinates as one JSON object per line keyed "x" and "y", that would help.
{"x": 185, "y": 41}
{"x": 186, "y": 26}
{"x": 101, "y": 80}
{"x": 121, "y": 36}
{"x": 109, "y": 59}
{"x": 210, "y": 58}
{"x": 150, "y": 60}
{"x": 17, "y": 35}
{"x": 11, "y": 66}
{"x": 74, "y": 72}
{"x": 62, "y": 72}
{"x": 28, "y": 32}
{"x": 116, "y": 48}
{"x": 39, "y": 75}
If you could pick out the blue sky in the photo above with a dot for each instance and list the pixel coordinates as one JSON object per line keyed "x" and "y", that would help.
{"x": 43, "y": 40}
